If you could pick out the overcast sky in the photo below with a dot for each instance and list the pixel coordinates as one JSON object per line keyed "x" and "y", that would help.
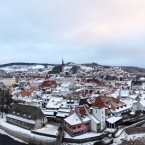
{"x": 110, "y": 32}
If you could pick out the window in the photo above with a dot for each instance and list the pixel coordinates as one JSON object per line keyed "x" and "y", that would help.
{"x": 96, "y": 111}
{"x": 102, "y": 112}
{"x": 74, "y": 127}
{"x": 86, "y": 124}
{"x": 79, "y": 126}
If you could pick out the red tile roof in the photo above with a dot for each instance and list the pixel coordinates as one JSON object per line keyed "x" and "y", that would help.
{"x": 107, "y": 102}
{"x": 25, "y": 93}
{"x": 49, "y": 83}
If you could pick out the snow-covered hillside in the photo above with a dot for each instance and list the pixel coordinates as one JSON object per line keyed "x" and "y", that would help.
{"x": 86, "y": 69}
{"x": 24, "y": 68}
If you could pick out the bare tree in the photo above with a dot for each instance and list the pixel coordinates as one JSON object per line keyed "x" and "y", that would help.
{"x": 5, "y": 100}
{"x": 2, "y": 101}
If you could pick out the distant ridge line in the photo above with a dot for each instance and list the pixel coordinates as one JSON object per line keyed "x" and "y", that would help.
{"x": 23, "y": 63}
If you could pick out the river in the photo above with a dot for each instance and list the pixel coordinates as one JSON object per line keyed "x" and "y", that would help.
{"x": 6, "y": 140}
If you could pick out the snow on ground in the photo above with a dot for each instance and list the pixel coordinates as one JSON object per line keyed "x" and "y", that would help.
{"x": 85, "y": 135}
{"x": 126, "y": 137}
{"x": 86, "y": 143}
{"x": 37, "y": 66}
{"x": 50, "y": 67}
{"x": 15, "y": 68}
{"x": 10, "y": 69}
{"x": 135, "y": 136}
{"x": 24, "y": 134}
{"x": 119, "y": 140}
{"x": 86, "y": 68}
{"x": 119, "y": 132}
{"x": 67, "y": 68}
{"x": 49, "y": 129}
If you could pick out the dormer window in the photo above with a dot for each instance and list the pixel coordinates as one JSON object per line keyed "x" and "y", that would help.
{"x": 29, "y": 116}
{"x": 18, "y": 114}
{"x": 117, "y": 107}
{"x": 13, "y": 112}
{"x": 24, "y": 115}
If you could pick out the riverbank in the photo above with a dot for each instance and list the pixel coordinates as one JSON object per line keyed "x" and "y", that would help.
{"x": 135, "y": 139}
{"x": 16, "y": 139}
{"x": 24, "y": 135}
{"x": 27, "y": 137}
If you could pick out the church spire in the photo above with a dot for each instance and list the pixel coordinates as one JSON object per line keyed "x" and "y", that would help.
{"x": 62, "y": 62}
{"x": 62, "y": 66}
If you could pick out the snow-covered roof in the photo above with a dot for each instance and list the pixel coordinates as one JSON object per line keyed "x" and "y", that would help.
{"x": 65, "y": 84}
{"x": 129, "y": 101}
{"x": 121, "y": 109}
{"x": 133, "y": 96}
{"x": 62, "y": 114}
{"x": 48, "y": 112}
{"x": 113, "y": 119}
{"x": 125, "y": 93}
{"x": 58, "y": 89}
{"x": 46, "y": 96}
{"x": 73, "y": 119}
{"x": 67, "y": 110}
{"x": 142, "y": 102}
{"x": 85, "y": 119}
{"x": 54, "y": 102}
{"x": 21, "y": 119}
{"x": 142, "y": 78}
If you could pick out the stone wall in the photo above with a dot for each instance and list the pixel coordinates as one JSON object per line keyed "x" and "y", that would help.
{"x": 135, "y": 130}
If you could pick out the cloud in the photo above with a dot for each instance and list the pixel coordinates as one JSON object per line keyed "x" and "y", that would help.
{"x": 108, "y": 32}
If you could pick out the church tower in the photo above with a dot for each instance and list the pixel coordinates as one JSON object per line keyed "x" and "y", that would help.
{"x": 62, "y": 66}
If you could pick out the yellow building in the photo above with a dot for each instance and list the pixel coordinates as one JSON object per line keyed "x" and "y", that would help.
{"x": 9, "y": 80}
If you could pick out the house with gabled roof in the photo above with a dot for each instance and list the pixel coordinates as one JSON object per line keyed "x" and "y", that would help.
{"x": 78, "y": 123}
{"x": 18, "y": 96}
{"x": 28, "y": 117}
